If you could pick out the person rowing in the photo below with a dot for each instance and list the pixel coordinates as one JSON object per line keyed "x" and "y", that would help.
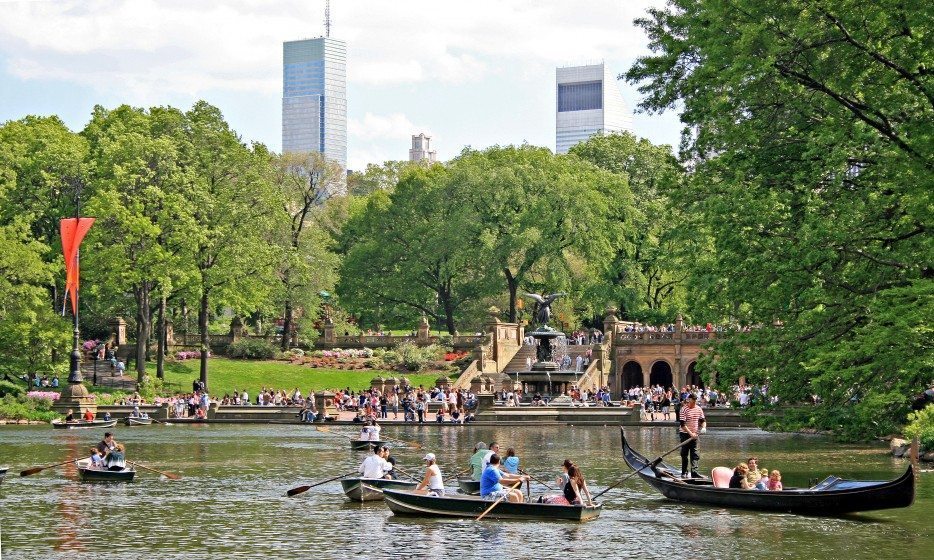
{"x": 370, "y": 431}
{"x": 432, "y": 484}
{"x": 376, "y": 466}
{"x": 107, "y": 444}
{"x": 491, "y": 483}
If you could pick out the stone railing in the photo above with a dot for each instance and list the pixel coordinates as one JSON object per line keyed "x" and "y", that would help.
{"x": 591, "y": 378}
{"x": 466, "y": 376}
{"x": 388, "y": 341}
{"x": 663, "y": 337}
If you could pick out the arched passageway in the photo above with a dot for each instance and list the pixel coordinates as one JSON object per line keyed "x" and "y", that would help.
{"x": 661, "y": 374}
{"x": 632, "y": 375}
{"x": 693, "y": 377}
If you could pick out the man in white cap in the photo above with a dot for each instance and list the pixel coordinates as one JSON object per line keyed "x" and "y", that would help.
{"x": 433, "y": 484}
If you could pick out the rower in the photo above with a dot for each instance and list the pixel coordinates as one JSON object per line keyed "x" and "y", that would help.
{"x": 376, "y": 466}
{"x": 107, "y": 444}
{"x": 70, "y": 415}
{"x": 491, "y": 487}
{"x": 88, "y": 415}
{"x": 432, "y": 483}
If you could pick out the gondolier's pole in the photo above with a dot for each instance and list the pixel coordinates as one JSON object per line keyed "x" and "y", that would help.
{"x": 652, "y": 464}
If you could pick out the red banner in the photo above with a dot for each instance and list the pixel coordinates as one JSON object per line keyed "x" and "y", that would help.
{"x": 73, "y": 232}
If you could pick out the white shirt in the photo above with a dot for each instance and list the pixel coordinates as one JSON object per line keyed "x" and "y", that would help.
{"x": 435, "y": 482}
{"x": 374, "y": 466}
{"x": 486, "y": 460}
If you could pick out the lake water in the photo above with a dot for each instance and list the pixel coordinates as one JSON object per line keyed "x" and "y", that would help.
{"x": 231, "y": 501}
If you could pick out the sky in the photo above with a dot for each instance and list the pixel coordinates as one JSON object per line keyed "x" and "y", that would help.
{"x": 475, "y": 73}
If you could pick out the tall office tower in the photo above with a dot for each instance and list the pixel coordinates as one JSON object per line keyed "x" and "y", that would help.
{"x": 588, "y": 103}
{"x": 314, "y": 97}
{"x": 421, "y": 149}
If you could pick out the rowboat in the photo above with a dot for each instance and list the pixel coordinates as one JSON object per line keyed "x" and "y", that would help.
{"x": 370, "y": 489}
{"x": 364, "y": 444}
{"x": 407, "y": 502}
{"x": 133, "y": 421}
{"x": 832, "y": 496}
{"x": 81, "y": 424}
{"x": 87, "y": 473}
{"x": 469, "y": 486}
{"x": 3, "y": 471}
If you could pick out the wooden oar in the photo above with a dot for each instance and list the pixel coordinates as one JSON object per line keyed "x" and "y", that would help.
{"x": 414, "y": 444}
{"x": 403, "y": 471}
{"x": 169, "y": 475}
{"x": 299, "y": 489}
{"x": 536, "y": 479}
{"x": 653, "y": 464}
{"x": 34, "y": 470}
{"x": 496, "y": 503}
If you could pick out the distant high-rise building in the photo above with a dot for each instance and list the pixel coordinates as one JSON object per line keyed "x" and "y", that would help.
{"x": 314, "y": 97}
{"x": 421, "y": 149}
{"x": 588, "y": 103}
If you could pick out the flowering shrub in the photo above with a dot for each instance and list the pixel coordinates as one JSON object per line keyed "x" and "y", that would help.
{"x": 90, "y": 345}
{"x": 49, "y": 395}
{"x": 452, "y": 356}
{"x": 343, "y": 354}
{"x": 189, "y": 355}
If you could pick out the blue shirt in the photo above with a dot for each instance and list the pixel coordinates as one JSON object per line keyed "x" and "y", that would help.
{"x": 511, "y": 464}
{"x": 489, "y": 481}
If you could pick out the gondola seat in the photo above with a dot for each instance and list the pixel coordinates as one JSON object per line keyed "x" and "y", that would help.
{"x": 721, "y": 477}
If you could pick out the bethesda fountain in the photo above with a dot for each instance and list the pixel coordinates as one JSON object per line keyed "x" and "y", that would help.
{"x": 546, "y": 377}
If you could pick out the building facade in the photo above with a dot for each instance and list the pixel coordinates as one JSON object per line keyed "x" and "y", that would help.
{"x": 314, "y": 97}
{"x": 588, "y": 103}
{"x": 421, "y": 149}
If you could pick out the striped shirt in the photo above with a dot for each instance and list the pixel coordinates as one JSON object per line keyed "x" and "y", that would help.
{"x": 691, "y": 418}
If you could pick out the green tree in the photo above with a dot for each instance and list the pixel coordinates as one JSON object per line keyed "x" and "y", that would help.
{"x": 531, "y": 210}
{"x": 809, "y": 128}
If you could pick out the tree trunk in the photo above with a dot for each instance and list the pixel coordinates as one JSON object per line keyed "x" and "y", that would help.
{"x": 288, "y": 319}
{"x": 143, "y": 326}
{"x": 161, "y": 345}
{"x": 205, "y": 342}
{"x": 513, "y": 286}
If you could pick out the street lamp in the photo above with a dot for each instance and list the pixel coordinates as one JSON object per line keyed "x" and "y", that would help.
{"x": 74, "y": 375}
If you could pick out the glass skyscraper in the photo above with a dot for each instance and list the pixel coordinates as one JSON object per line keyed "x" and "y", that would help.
{"x": 588, "y": 103}
{"x": 314, "y": 97}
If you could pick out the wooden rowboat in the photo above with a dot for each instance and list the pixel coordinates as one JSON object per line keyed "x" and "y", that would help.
{"x": 406, "y": 502}
{"x": 364, "y": 444}
{"x": 83, "y": 424}
{"x": 132, "y": 421}
{"x": 832, "y": 496}
{"x": 87, "y": 473}
{"x": 469, "y": 486}
{"x": 370, "y": 489}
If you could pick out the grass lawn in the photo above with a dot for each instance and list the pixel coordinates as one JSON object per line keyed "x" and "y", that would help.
{"x": 225, "y": 375}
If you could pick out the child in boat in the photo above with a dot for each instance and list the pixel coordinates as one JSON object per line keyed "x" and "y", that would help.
{"x": 96, "y": 459}
{"x": 511, "y": 462}
{"x": 775, "y": 481}
{"x": 763, "y": 483}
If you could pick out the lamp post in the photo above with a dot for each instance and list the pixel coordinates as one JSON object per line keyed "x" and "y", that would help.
{"x": 74, "y": 375}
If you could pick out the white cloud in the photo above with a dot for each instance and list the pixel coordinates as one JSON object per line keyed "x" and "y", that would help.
{"x": 390, "y": 127}
{"x": 177, "y": 46}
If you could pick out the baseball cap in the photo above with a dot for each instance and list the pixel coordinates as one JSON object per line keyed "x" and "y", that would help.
{"x": 429, "y": 457}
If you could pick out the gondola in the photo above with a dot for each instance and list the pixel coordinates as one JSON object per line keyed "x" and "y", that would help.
{"x": 407, "y": 502}
{"x": 832, "y": 496}
{"x": 370, "y": 489}
{"x": 81, "y": 424}
{"x": 135, "y": 421}
{"x": 90, "y": 474}
{"x": 469, "y": 486}
{"x": 364, "y": 444}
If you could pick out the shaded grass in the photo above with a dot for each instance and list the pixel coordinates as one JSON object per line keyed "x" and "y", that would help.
{"x": 226, "y": 376}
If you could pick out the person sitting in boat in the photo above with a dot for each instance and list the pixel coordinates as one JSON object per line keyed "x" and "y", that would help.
{"x": 391, "y": 475}
{"x": 492, "y": 480}
{"x": 135, "y": 413}
{"x": 775, "y": 481}
{"x": 476, "y": 460}
{"x": 106, "y": 415}
{"x": 573, "y": 487}
{"x": 738, "y": 480}
{"x": 97, "y": 460}
{"x": 107, "y": 444}
{"x": 763, "y": 483}
{"x": 376, "y": 465}
{"x": 70, "y": 415}
{"x": 370, "y": 431}
{"x": 88, "y": 415}
{"x": 511, "y": 462}
{"x": 753, "y": 476}
{"x": 432, "y": 484}
{"x": 116, "y": 459}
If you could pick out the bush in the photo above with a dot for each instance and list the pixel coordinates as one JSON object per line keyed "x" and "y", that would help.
{"x": 104, "y": 399}
{"x": 921, "y": 426}
{"x": 9, "y": 388}
{"x": 251, "y": 349}
{"x": 373, "y": 363}
{"x": 415, "y": 358}
{"x": 150, "y": 388}
{"x": 24, "y": 408}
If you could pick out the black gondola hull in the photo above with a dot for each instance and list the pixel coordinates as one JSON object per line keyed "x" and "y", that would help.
{"x": 831, "y": 497}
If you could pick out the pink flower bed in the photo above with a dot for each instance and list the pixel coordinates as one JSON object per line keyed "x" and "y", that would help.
{"x": 50, "y": 395}
{"x": 189, "y": 355}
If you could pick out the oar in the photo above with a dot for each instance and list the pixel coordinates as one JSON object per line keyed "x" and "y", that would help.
{"x": 403, "y": 471}
{"x": 172, "y": 476}
{"x": 34, "y": 470}
{"x": 161, "y": 422}
{"x": 299, "y": 489}
{"x": 414, "y": 444}
{"x": 536, "y": 479}
{"x": 653, "y": 464}
{"x": 496, "y": 503}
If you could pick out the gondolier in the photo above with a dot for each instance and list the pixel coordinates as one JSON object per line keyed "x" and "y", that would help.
{"x": 691, "y": 423}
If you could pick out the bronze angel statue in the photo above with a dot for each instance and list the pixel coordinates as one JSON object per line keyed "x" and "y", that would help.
{"x": 543, "y": 306}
